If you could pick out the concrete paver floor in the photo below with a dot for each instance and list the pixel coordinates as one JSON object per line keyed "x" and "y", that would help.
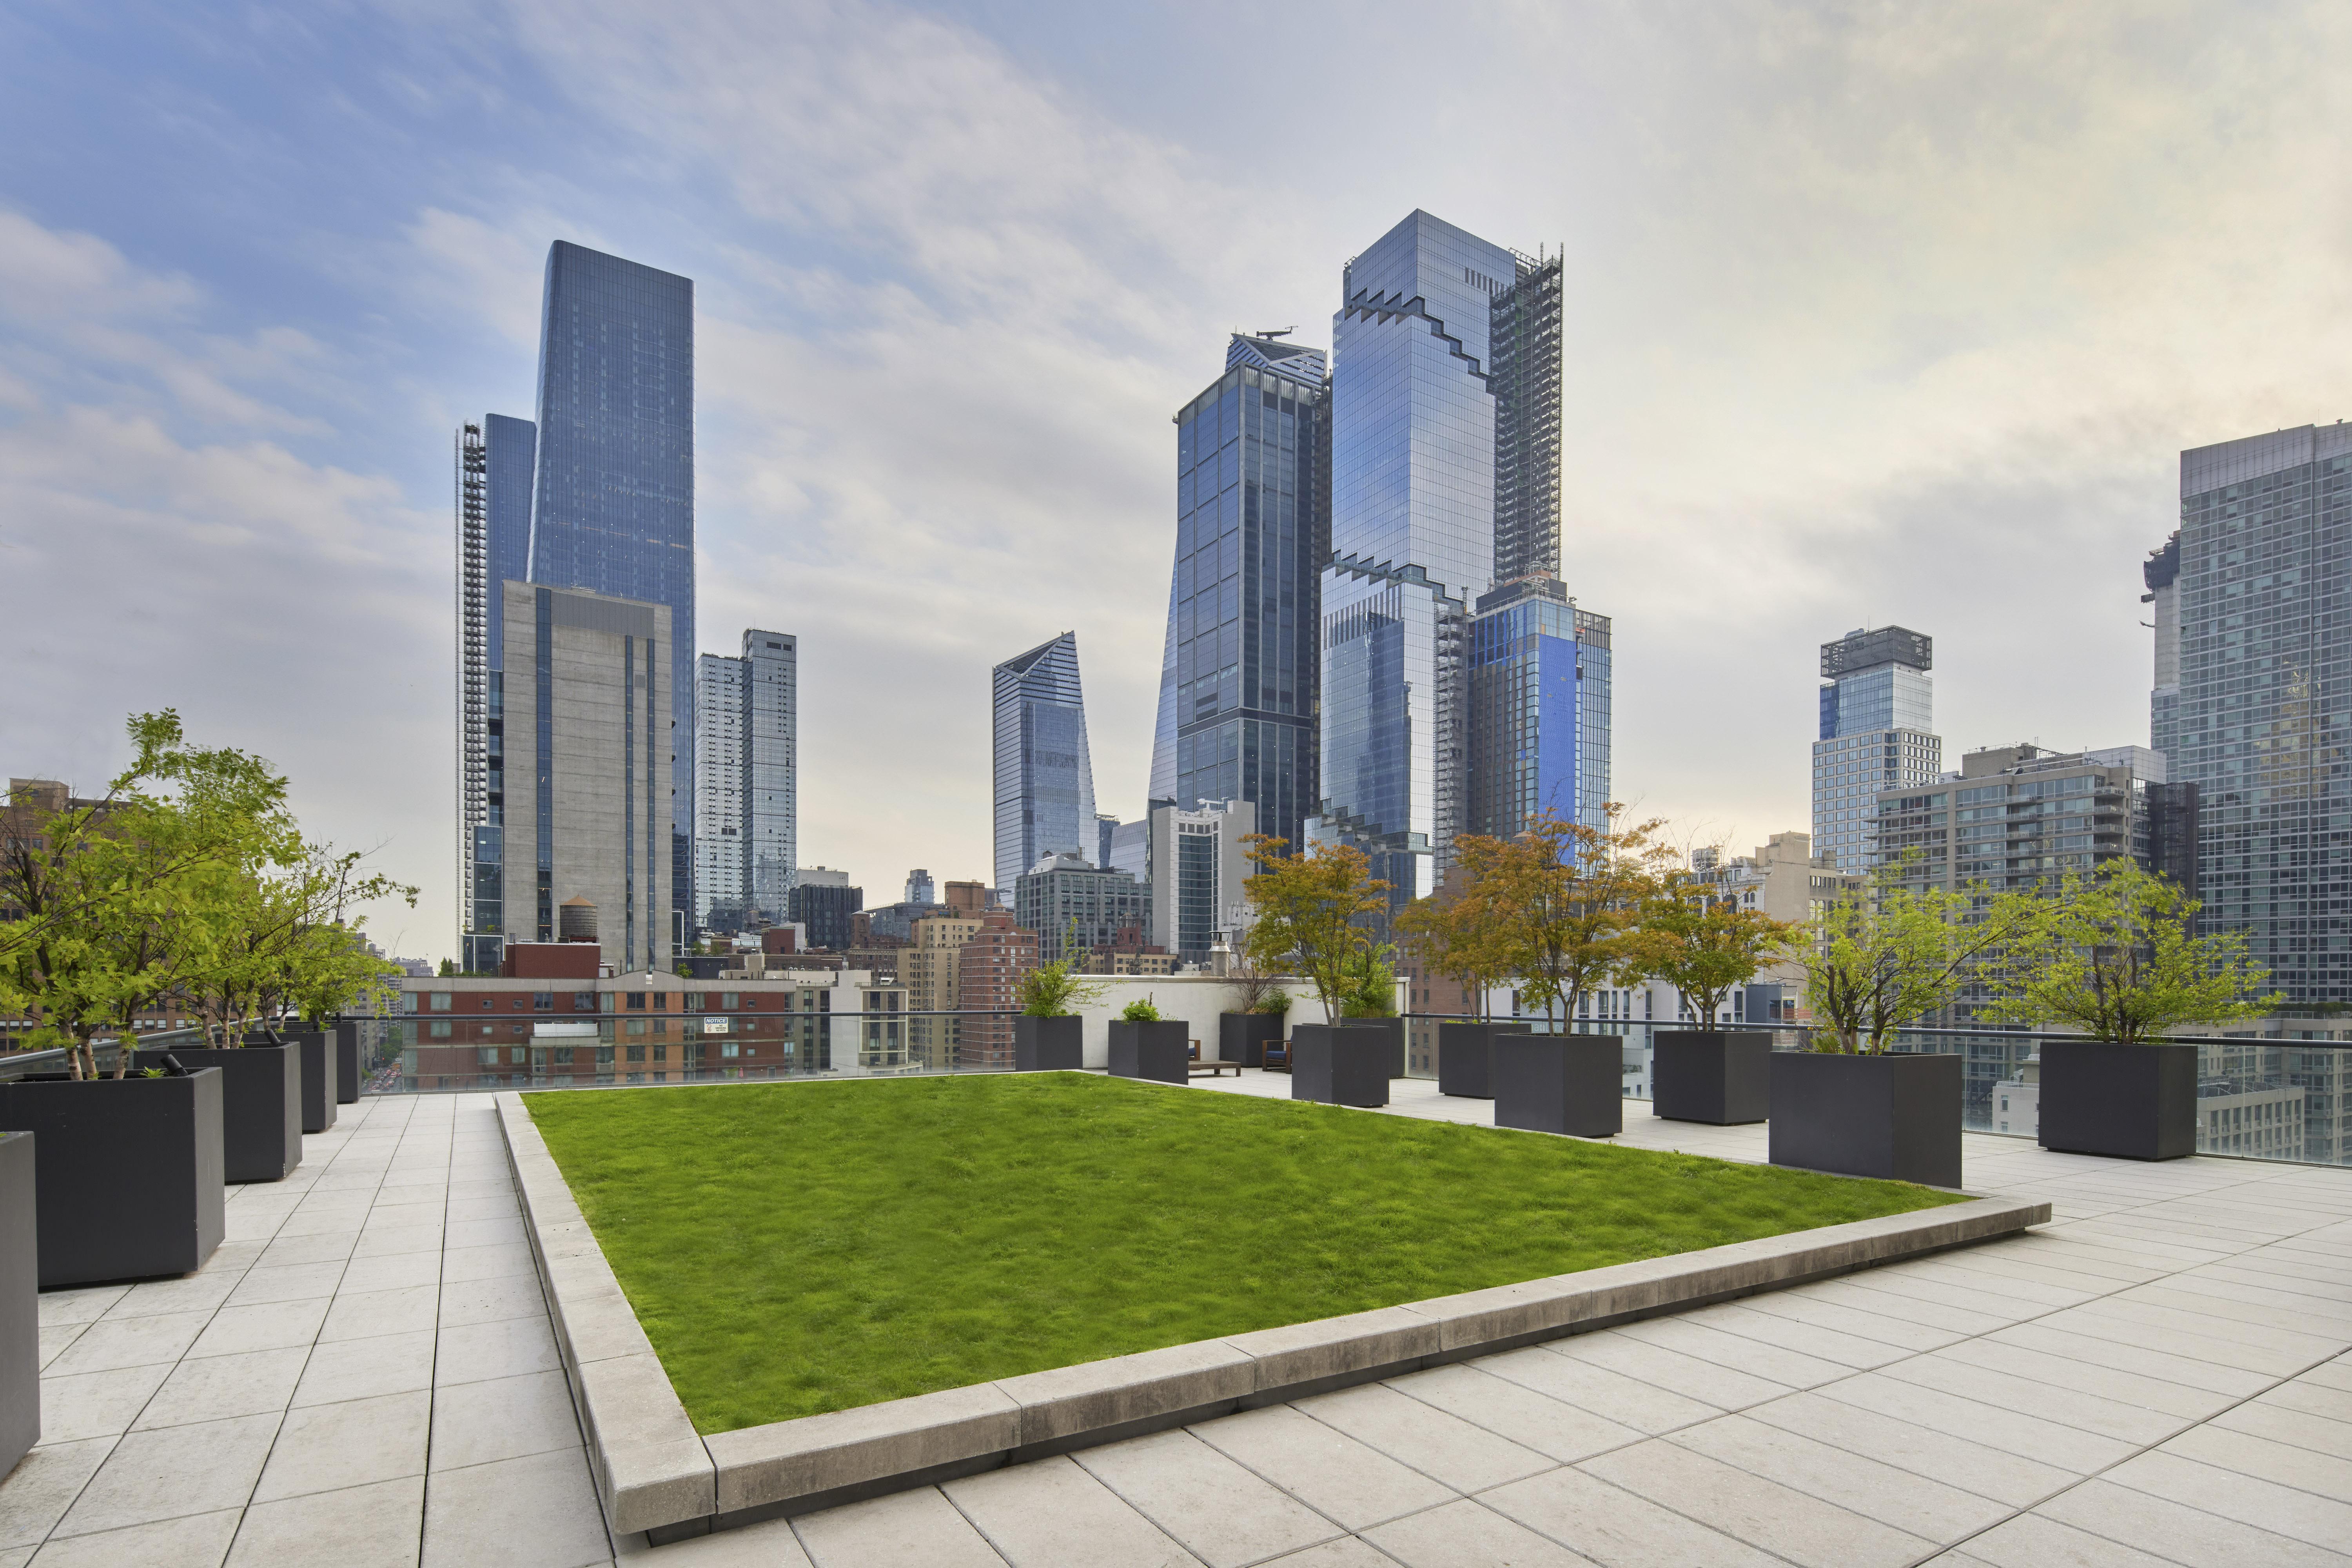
{"x": 364, "y": 1375}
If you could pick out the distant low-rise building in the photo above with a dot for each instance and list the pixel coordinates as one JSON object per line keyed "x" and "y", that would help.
{"x": 1065, "y": 897}
{"x": 988, "y": 982}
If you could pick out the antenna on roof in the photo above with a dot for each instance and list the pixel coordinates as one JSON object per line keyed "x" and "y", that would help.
{"x": 1275, "y": 332}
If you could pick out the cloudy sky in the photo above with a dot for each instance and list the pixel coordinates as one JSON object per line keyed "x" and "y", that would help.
{"x": 1875, "y": 313}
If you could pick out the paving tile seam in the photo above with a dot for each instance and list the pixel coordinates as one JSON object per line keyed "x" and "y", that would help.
{"x": 970, "y": 1523}
{"x": 2138, "y": 1452}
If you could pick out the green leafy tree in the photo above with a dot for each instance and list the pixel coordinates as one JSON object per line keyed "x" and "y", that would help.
{"x": 1884, "y": 956}
{"x": 2114, "y": 954}
{"x": 1456, "y": 931}
{"x": 1370, "y": 990}
{"x": 1697, "y": 937}
{"x": 1566, "y": 901}
{"x": 103, "y": 892}
{"x": 1309, "y": 912}
{"x": 1055, "y": 990}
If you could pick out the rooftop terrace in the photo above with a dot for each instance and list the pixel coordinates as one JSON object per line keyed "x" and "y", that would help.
{"x": 365, "y": 1373}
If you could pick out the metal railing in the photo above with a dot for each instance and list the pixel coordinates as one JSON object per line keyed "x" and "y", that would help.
{"x": 14, "y": 1064}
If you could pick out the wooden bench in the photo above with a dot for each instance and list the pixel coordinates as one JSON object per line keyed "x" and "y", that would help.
{"x": 1195, "y": 1067}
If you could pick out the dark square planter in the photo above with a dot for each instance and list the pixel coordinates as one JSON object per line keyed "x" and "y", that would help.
{"x": 1896, "y": 1117}
{"x": 1244, "y": 1037}
{"x": 20, "y": 1308}
{"x": 1464, "y": 1058}
{"x": 1392, "y": 1031}
{"x": 2130, "y": 1102}
{"x": 127, "y": 1173}
{"x": 1160, "y": 1052}
{"x": 1048, "y": 1045}
{"x": 1712, "y": 1076}
{"x": 261, "y": 1105}
{"x": 1570, "y": 1084}
{"x": 349, "y": 1073}
{"x": 1340, "y": 1063}
{"x": 319, "y": 1096}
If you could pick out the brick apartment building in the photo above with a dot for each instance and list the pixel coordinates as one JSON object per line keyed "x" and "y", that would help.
{"x": 550, "y": 1017}
{"x": 989, "y": 967}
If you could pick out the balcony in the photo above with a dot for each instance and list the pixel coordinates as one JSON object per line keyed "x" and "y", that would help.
{"x": 366, "y": 1372}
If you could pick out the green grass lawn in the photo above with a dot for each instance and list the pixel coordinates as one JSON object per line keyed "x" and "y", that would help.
{"x": 796, "y": 1249}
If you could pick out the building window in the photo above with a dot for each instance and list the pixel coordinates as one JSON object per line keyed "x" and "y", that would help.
{"x": 636, "y": 1026}
{"x": 544, "y": 1002}
{"x": 440, "y": 1030}
{"x": 637, "y": 1001}
{"x": 583, "y": 1001}
{"x": 441, "y": 1001}
{"x": 486, "y": 1057}
{"x": 661, "y": 1001}
{"x": 730, "y": 1000}
{"x": 563, "y": 1055}
{"x": 693, "y": 1001}
{"x": 637, "y": 1053}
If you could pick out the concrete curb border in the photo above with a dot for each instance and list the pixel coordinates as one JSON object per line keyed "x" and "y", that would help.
{"x": 655, "y": 1474}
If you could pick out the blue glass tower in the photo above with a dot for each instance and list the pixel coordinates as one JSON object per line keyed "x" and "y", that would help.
{"x": 1044, "y": 779}
{"x": 1877, "y": 717}
{"x": 1418, "y": 399}
{"x": 614, "y": 506}
{"x": 1539, "y": 690}
{"x": 1238, "y": 681}
{"x": 496, "y": 461}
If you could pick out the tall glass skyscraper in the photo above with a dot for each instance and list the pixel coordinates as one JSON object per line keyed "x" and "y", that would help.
{"x": 746, "y": 759}
{"x": 2263, "y": 657}
{"x": 1238, "y": 681}
{"x": 1416, "y": 494}
{"x": 613, "y": 509}
{"x": 1539, "y": 688}
{"x": 1876, "y": 733}
{"x": 494, "y": 467}
{"x": 1045, "y": 778}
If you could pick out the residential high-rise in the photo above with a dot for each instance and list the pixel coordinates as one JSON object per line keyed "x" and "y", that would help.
{"x": 989, "y": 967}
{"x": 1198, "y": 864}
{"x": 1538, "y": 724}
{"x": 918, "y": 886}
{"x": 822, "y": 903}
{"x": 612, "y": 505}
{"x": 746, "y": 757}
{"x": 1442, "y": 340}
{"x": 2260, "y": 649}
{"x": 589, "y": 688}
{"x": 1877, "y": 714}
{"x": 1062, "y": 891}
{"x": 1239, "y": 676}
{"x": 494, "y": 466}
{"x": 1044, "y": 780}
{"x": 719, "y": 889}
{"x": 2161, "y": 573}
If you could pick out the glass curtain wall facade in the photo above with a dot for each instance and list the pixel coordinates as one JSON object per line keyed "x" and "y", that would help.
{"x": 746, "y": 759}
{"x": 2266, "y": 698}
{"x": 1238, "y": 682}
{"x": 1524, "y": 327}
{"x": 1044, "y": 780}
{"x": 1414, "y": 498}
{"x": 1877, "y": 713}
{"x": 1539, "y": 683}
{"x": 494, "y": 468}
{"x": 613, "y": 508}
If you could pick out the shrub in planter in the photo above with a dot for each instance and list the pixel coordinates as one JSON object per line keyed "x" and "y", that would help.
{"x": 1048, "y": 1045}
{"x": 261, "y": 1105}
{"x": 1048, "y": 1035}
{"x": 128, "y": 1172}
{"x": 20, "y": 1329}
{"x": 1339, "y": 1064}
{"x": 1722, "y": 1078}
{"x": 1892, "y": 1116}
{"x": 1144, "y": 1046}
{"x": 1569, "y": 1084}
{"x": 2113, "y": 954}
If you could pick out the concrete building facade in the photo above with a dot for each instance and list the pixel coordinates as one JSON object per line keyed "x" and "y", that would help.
{"x": 588, "y": 690}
